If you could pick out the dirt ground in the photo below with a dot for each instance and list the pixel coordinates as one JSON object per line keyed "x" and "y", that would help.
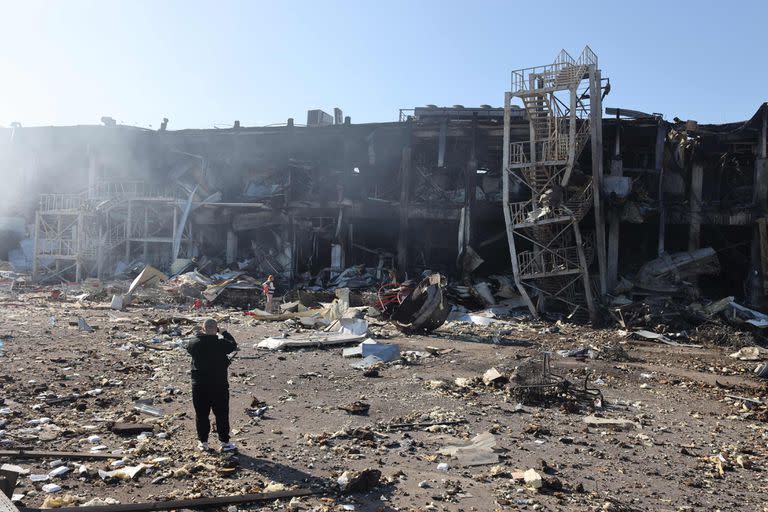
{"x": 688, "y": 446}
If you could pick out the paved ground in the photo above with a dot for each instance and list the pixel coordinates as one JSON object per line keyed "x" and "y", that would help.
{"x": 669, "y": 459}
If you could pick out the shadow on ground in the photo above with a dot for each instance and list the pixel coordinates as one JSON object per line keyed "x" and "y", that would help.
{"x": 289, "y": 475}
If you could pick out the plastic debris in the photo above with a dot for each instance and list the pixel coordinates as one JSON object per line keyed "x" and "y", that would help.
{"x": 83, "y": 325}
{"x": 146, "y": 407}
{"x": 59, "y": 471}
{"x": 479, "y": 452}
{"x": 492, "y": 375}
{"x": 533, "y": 479}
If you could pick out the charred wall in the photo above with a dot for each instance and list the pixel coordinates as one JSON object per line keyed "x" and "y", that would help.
{"x": 301, "y": 201}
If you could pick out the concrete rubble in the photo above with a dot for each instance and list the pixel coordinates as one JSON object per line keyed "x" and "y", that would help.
{"x": 108, "y": 410}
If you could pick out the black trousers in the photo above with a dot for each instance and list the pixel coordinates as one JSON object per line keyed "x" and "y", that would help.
{"x": 205, "y": 398}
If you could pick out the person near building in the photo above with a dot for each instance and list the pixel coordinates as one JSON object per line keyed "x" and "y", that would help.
{"x": 268, "y": 287}
{"x": 210, "y": 383}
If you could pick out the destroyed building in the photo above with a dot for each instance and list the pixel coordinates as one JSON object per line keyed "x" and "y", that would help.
{"x": 427, "y": 192}
{"x": 417, "y": 246}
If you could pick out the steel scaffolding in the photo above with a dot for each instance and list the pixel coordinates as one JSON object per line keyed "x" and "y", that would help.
{"x": 84, "y": 235}
{"x": 550, "y": 255}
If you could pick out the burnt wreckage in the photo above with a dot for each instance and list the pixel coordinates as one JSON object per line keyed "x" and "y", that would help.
{"x": 568, "y": 200}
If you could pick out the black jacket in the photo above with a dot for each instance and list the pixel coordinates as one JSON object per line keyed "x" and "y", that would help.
{"x": 209, "y": 358}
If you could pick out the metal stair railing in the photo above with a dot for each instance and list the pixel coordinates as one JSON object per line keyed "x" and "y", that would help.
{"x": 552, "y": 261}
{"x": 61, "y": 202}
{"x": 133, "y": 190}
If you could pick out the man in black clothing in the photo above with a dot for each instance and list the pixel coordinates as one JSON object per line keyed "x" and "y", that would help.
{"x": 210, "y": 387}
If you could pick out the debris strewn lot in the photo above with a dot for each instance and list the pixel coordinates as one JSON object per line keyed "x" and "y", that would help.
{"x": 680, "y": 428}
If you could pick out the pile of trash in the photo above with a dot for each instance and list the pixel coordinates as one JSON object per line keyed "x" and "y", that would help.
{"x": 496, "y": 290}
{"x": 423, "y": 308}
{"x": 193, "y": 286}
{"x": 411, "y": 309}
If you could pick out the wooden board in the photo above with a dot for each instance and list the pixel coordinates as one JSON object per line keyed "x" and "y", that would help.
{"x": 131, "y": 429}
{"x": 6, "y": 505}
{"x": 216, "y": 502}
{"x": 31, "y": 454}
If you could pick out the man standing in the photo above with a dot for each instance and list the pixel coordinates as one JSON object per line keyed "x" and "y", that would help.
{"x": 210, "y": 386}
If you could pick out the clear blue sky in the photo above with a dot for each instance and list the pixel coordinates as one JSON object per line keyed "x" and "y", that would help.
{"x": 205, "y": 63}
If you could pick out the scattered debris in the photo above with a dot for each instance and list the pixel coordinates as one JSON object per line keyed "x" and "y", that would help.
{"x": 648, "y": 335}
{"x": 148, "y": 277}
{"x": 385, "y": 352}
{"x": 358, "y": 408}
{"x": 315, "y": 339}
{"x": 533, "y": 479}
{"x": 22, "y": 454}
{"x": 492, "y": 376}
{"x": 422, "y": 309}
{"x": 83, "y": 325}
{"x": 750, "y": 354}
{"x": 219, "y": 501}
{"x": 668, "y": 272}
{"x": 479, "y": 452}
{"x": 359, "y": 482}
{"x": 614, "y": 423}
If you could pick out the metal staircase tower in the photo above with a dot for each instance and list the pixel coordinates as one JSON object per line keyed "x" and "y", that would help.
{"x": 550, "y": 255}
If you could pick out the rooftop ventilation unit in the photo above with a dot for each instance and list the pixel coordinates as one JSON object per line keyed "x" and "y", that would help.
{"x": 317, "y": 118}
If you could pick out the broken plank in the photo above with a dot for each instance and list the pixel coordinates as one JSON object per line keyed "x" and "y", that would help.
{"x": 62, "y": 400}
{"x": 648, "y": 335}
{"x": 218, "y": 501}
{"x": 745, "y": 399}
{"x": 424, "y": 425}
{"x": 32, "y": 454}
{"x": 6, "y": 505}
{"x": 154, "y": 347}
{"x": 130, "y": 429}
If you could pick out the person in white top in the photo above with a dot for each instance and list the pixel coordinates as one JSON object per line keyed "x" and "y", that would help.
{"x": 268, "y": 287}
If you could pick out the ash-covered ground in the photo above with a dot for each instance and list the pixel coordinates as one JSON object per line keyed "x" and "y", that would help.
{"x": 686, "y": 444}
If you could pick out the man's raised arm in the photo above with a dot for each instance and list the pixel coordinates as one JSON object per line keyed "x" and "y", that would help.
{"x": 229, "y": 341}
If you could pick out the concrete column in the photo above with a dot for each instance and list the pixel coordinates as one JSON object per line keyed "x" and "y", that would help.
{"x": 92, "y": 171}
{"x": 614, "y": 215}
{"x": 405, "y": 196}
{"x": 661, "y": 135}
{"x": 758, "y": 256}
{"x": 761, "y": 184}
{"x": 441, "y": 143}
{"x": 694, "y": 230}
{"x": 470, "y": 186}
{"x": 231, "y": 254}
{"x": 288, "y": 238}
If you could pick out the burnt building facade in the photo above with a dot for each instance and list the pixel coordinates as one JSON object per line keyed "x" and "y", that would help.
{"x": 424, "y": 193}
